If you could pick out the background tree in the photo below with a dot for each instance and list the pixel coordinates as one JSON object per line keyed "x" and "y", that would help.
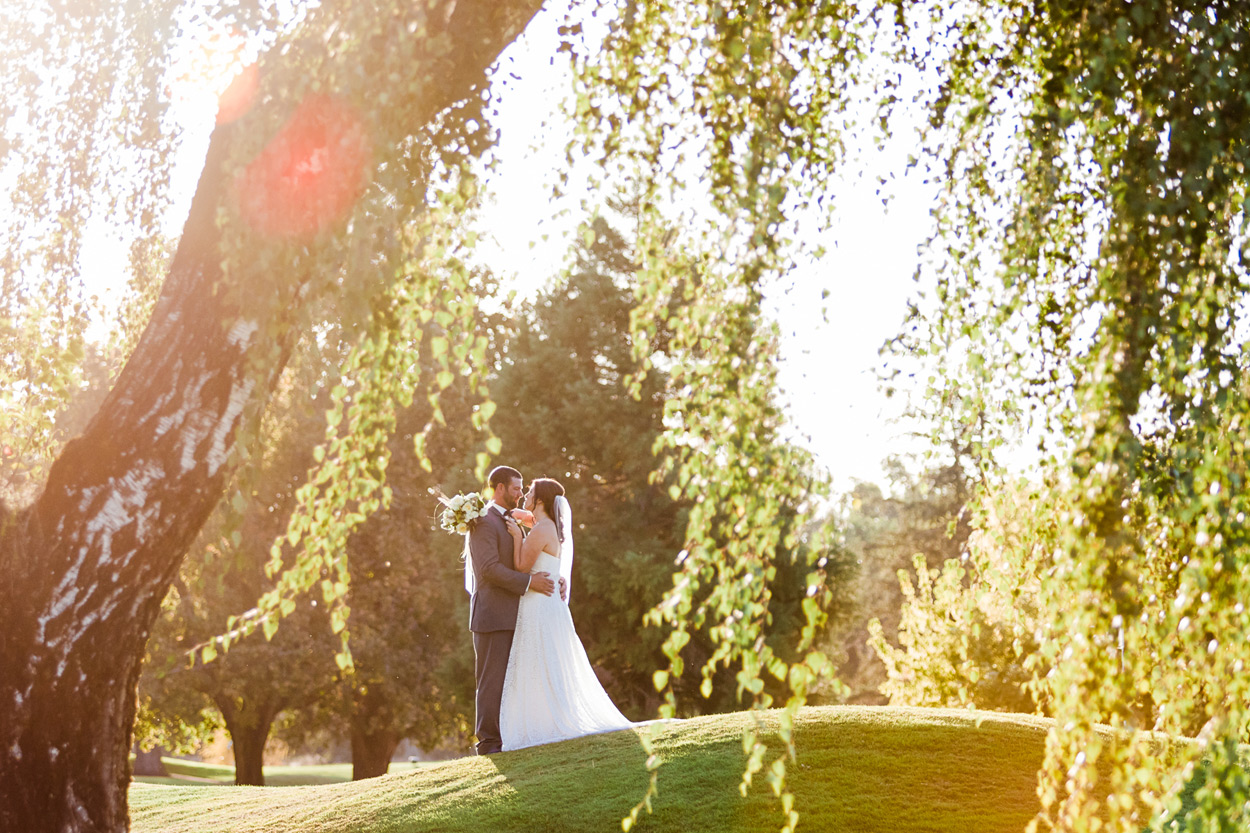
{"x": 257, "y": 679}
{"x": 965, "y": 628}
{"x": 412, "y": 674}
{"x": 565, "y": 412}
{"x": 923, "y": 519}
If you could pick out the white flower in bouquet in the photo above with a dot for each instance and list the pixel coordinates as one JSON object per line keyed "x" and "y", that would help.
{"x": 461, "y": 512}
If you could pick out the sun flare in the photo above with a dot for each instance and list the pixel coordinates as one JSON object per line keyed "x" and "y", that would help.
{"x": 204, "y": 73}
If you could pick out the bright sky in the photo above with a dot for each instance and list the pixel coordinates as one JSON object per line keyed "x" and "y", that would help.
{"x": 829, "y": 360}
{"x": 830, "y": 347}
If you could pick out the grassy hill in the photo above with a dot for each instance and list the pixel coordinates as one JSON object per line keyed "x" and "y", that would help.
{"x": 859, "y": 769}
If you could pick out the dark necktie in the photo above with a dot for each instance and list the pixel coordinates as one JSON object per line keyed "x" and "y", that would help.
{"x": 507, "y": 513}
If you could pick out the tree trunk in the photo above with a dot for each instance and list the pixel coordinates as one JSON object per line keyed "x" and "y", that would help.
{"x": 249, "y": 732}
{"x": 89, "y": 562}
{"x": 149, "y": 763}
{"x": 249, "y": 756}
{"x": 374, "y": 734}
{"x": 371, "y": 752}
{"x": 86, "y": 566}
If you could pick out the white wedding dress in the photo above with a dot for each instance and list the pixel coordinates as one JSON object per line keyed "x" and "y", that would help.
{"x": 550, "y": 691}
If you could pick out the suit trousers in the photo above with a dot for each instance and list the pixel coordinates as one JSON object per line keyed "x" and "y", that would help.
{"x": 490, "y": 651}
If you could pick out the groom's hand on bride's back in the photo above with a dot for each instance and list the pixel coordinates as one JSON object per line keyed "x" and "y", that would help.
{"x": 542, "y": 583}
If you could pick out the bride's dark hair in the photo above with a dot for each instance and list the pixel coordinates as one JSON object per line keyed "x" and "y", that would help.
{"x": 545, "y": 492}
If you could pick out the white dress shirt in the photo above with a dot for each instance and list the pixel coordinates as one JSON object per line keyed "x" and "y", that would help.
{"x": 504, "y": 513}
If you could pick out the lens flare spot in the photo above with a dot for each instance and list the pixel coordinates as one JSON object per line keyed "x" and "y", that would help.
{"x": 208, "y": 61}
{"x": 310, "y": 174}
{"x": 239, "y": 95}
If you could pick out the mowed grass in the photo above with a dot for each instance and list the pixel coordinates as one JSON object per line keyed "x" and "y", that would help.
{"x": 862, "y": 769}
{"x": 183, "y": 773}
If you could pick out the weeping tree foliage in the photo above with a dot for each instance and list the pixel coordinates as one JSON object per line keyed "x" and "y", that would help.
{"x": 333, "y": 163}
{"x": 52, "y": 158}
{"x": 1090, "y": 272}
{"x": 1087, "y": 264}
{"x": 724, "y": 119}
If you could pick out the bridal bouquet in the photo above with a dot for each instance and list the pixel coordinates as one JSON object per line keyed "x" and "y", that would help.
{"x": 461, "y": 512}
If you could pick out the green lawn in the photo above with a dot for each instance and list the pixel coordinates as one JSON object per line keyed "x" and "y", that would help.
{"x": 194, "y": 773}
{"x": 860, "y": 769}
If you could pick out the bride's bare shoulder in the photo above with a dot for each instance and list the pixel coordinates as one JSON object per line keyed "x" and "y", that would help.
{"x": 545, "y": 532}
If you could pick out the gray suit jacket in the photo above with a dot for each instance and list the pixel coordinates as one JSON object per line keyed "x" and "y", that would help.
{"x": 498, "y": 585}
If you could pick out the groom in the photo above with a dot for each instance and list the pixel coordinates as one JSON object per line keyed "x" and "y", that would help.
{"x": 498, "y": 588}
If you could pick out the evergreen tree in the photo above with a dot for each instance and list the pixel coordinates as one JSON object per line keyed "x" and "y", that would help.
{"x": 565, "y": 412}
{"x": 924, "y": 516}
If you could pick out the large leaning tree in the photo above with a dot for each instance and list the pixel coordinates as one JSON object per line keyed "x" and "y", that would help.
{"x": 336, "y": 172}
{"x": 325, "y": 165}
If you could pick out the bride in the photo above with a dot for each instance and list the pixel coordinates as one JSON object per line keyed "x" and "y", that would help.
{"x": 550, "y": 692}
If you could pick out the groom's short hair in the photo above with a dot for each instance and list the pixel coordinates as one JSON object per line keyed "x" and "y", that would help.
{"x": 504, "y": 475}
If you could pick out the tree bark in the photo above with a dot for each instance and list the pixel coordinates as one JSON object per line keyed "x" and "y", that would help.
{"x": 249, "y": 755}
{"x": 149, "y": 763}
{"x": 249, "y": 727}
{"x": 86, "y": 566}
{"x": 91, "y": 559}
{"x": 374, "y": 737}
{"x": 371, "y": 752}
